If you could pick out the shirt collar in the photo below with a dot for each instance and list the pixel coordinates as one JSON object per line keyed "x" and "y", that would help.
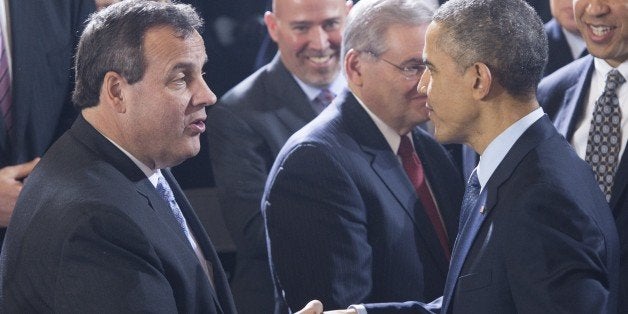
{"x": 499, "y": 147}
{"x": 337, "y": 87}
{"x": 152, "y": 175}
{"x": 391, "y": 136}
{"x": 602, "y": 68}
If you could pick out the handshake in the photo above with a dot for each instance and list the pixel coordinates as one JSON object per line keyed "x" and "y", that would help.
{"x": 316, "y": 307}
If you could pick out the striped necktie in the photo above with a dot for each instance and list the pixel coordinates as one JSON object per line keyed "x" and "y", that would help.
{"x": 5, "y": 87}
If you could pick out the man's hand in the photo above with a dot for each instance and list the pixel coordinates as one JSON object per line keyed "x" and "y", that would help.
{"x": 10, "y": 186}
{"x": 316, "y": 307}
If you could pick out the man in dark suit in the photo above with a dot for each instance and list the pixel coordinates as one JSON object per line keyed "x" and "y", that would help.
{"x": 536, "y": 234}
{"x": 101, "y": 225}
{"x": 346, "y": 210}
{"x": 570, "y": 98}
{"x": 250, "y": 124}
{"x": 39, "y": 37}
{"x": 564, "y": 41}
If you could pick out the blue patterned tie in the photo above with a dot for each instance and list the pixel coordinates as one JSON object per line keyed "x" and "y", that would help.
{"x": 470, "y": 198}
{"x": 163, "y": 188}
{"x": 604, "y": 140}
{"x": 5, "y": 88}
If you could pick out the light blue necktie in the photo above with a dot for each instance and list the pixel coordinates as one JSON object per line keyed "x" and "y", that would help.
{"x": 163, "y": 188}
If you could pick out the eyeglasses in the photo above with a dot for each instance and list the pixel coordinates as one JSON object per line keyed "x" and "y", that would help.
{"x": 411, "y": 72}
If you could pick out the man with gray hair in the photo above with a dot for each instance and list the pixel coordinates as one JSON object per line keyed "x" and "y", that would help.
{"x": 101, "y": 225}
{"x": 536, "y": 234}
{"x": 361, "y": 204}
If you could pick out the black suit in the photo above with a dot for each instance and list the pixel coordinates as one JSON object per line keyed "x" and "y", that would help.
{"x": 563, "y": 96}
{"x": 91, "y": 234}
{"x": 546, "y": 242}
{"x": 344, "y": 223}
{"x": 246, "y": 130}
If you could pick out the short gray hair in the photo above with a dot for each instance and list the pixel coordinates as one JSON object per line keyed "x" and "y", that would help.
{"x": 506, "y": 35}
{"x": 113, "y": 40}
{"x": 368, "y": 21}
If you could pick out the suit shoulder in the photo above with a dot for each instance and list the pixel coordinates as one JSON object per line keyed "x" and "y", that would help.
{"x": 564, "y": 77}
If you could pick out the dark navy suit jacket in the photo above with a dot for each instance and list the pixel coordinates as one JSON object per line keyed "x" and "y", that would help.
{"x": 559, "y": 53}
{"x": 546, "y": 242}
{"x": 344, "y": 223}
{"x": 563, "y": 96}
{"x": 90, "y": 234}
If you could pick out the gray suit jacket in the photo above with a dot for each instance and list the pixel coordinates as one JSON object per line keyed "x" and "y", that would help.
{"x": 246, "y": 130}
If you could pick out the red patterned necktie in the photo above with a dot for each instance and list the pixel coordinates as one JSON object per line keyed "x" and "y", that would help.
{"x": 414, "y": 169}
{"x": 5, "y": 87}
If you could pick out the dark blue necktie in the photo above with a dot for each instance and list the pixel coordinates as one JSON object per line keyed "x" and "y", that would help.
{"x": 470, "y": 222}
{"x": 470, "y": 198}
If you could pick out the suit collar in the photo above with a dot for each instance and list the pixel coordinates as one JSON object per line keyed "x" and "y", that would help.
{"x": 532, "y": 137}
{"x": 288, "y": 96}
{"x": 572, "y": 108}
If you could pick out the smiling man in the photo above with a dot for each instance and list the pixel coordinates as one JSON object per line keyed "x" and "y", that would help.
{"x": 101, "y": 225}
{"x": 251, "y": 123}
{"x": 575, "y": 98}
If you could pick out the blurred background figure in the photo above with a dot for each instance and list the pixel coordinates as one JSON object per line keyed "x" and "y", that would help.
{"x": 563, "y": 37}
{"x": 250, "y": 124}
{"x": 38, "y": 42}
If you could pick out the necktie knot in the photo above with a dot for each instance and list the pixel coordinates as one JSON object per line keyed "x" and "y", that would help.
{"x": 323, "y": 99}
{"x": 614, "y": 79}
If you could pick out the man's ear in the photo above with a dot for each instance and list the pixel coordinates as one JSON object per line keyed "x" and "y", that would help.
{"x": 270, "y": 19}
{"x": 353, "y": 67}
{"x": 482, "y": 80}
{"x": 112, "y": 90}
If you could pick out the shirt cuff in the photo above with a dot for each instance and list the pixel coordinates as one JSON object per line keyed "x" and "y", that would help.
{"x": 358, "y": 307}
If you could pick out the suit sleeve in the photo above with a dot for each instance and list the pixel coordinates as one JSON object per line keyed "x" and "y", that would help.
{"x": 241, "y": 162}
{"x": 107, "y": 265}
{"x": 317, "y": 230}
{"x": 555, "y": 254}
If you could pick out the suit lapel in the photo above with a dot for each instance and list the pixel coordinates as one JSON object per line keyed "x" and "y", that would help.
{"x": 383, "y": 161}
{"x": 388, "y": 168}
{"x": 202, "y": 239}
{"x": 293, "y": 107}
{"x": 572, "y": 108}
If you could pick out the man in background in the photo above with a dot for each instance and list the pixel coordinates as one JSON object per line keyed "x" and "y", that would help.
{"x": 362, "y": 204}
{"x": 38, "y": 38}
{"x": 563, "y": 37}
{"x": 588, "y": 102}
{"x": 251, "y": 123}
